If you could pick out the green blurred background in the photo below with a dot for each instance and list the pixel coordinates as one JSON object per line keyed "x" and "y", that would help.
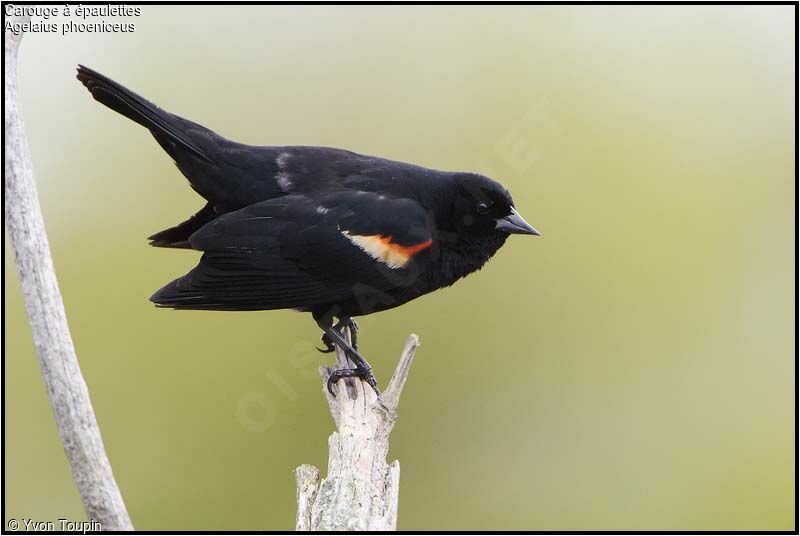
{"x": 631, "y": 369}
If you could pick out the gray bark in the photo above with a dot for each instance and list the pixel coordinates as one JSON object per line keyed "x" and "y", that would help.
{"x": 66, "y": 388}
{"x": 361, "y": 490}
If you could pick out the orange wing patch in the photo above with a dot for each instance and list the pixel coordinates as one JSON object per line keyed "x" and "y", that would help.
{"x": 381, "y": 248}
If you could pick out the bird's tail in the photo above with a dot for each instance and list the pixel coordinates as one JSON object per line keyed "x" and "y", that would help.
{"x": 166, "y": 128}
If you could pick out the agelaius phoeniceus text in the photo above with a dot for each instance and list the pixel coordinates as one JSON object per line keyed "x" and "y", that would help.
{"x": 316, "y": 229}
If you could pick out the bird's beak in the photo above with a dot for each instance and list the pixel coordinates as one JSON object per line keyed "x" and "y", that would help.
{"x": 515, "y": 224}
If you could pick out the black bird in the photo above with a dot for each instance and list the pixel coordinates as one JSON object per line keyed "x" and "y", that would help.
{"x": 327, "y": 231}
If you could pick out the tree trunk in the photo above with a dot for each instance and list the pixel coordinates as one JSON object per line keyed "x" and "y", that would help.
{"x": 361, "y": 491}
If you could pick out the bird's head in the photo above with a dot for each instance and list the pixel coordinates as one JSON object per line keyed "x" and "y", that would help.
{"x": 483, "y": 206}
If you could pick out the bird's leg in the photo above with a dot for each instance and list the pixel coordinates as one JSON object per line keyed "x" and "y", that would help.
{"x": 348, "y": 322}
{"x": 345, "y": 322}
{"x": 362, "y": 369}
{"x": 353, "y": 333}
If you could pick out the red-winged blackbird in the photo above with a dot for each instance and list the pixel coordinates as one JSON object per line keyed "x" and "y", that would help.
{"x": 316, "y": 229}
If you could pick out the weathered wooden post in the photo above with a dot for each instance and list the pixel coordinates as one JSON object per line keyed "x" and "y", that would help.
{"x": 361, "y": 490}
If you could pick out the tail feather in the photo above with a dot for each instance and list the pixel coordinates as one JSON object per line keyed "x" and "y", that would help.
{"x": 124, "y": 101}
{"x": 245, "y": 281}
{"x": 178, "y": 236}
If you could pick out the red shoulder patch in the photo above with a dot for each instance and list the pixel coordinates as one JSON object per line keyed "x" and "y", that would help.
{"x": 382, "y": 248}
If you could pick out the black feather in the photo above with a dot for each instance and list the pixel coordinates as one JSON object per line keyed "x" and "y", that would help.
{"x": 313, "y": 228}
{"x": 126, "y": 102}
{"x": 178, "y": 236}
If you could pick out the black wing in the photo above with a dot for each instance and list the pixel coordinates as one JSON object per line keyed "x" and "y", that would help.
{"x": 301, "y": 252}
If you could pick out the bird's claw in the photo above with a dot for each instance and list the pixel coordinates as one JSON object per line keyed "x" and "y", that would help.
{"x": 365, "y": 373}
{"x": 329, "y": 347}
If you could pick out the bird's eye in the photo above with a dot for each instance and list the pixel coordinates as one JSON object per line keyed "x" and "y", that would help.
{"x": 482, "y": 208}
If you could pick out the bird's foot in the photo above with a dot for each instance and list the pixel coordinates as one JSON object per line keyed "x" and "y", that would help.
{"x": 329, "y": 346}
{"x": 334, "y": 337}
{"x": 364, "y": 372}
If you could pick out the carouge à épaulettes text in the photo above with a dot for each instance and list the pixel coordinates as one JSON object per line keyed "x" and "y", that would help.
{"x": 78, "y": 18}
